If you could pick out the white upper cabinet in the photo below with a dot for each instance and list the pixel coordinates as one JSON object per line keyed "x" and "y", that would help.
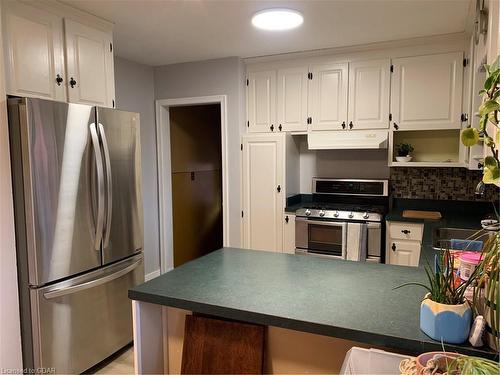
{"x": 369, "y": 87}
{"x": 261, "y": 101}
{"x": 328, "y": 96}
{"x": 90, "y": 68}
{"x": 292, "y": 99}
{"x": 33, "y": 43}
{"x": 263, "y": 191}
{"x": 426, "y": 92}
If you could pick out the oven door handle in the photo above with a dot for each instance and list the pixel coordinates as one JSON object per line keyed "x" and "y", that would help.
{"x": 320, "y": 222}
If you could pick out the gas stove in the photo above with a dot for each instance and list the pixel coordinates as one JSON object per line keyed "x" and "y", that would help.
{"x": 356, "y": 200}
{"x": 344, "y": 220}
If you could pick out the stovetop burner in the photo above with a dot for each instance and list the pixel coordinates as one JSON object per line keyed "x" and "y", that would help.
{"x": 328, "y": 206}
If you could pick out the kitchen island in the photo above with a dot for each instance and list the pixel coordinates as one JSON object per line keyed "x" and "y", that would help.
{"x": 333, "y": 304}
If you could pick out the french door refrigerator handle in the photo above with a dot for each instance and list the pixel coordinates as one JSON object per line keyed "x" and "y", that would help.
{"x": 92, "y": 283}
{"x": 109, "y": 185}
{"x": 100, "y": 186}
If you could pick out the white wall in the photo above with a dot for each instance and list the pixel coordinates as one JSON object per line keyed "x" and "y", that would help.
{"x": 213, "y": 77}
{"x": 135, "y": 92}
{"x": 369, "y": 164}
{"x": 10, "y": 331}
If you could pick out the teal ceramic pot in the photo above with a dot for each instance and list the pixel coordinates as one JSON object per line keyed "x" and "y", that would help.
{"x": 449, "y": 323}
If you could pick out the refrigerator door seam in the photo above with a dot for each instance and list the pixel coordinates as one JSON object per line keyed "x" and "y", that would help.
{"x": 100, "y": 187}
{"x": 109, "y": 186}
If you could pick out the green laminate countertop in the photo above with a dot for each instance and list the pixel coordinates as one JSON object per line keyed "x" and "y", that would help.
{"x": 338, "y": 298}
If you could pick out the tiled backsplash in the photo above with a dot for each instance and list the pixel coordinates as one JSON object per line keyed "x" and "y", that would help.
{"x": 439, "y": 183}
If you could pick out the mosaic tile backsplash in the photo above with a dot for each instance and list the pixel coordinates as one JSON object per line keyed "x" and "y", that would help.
{"x": 439, "y": 183}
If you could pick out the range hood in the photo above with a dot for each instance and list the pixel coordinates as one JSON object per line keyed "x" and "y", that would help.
{"x": 347, "y": 140}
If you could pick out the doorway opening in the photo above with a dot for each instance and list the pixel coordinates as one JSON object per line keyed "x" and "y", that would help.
{"x": 196, "y": 169}
{"x": 166, "y": 173}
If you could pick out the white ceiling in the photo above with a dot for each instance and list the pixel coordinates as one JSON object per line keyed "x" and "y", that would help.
{"x": 171, "y": 31}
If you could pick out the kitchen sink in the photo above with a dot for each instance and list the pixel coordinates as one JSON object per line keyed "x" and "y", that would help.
{"x": 441, "y": 237}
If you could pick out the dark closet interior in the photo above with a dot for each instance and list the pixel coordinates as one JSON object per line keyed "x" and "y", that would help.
{"x": 195, "y": 139}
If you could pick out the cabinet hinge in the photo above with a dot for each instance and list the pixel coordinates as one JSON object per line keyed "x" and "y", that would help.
{"x": 241, "y": 213}
{"x": 247, "y": 82}
{"x": 392, "y": 68}
{"x": 241, "y": 146}
{"x": 464, "y": 117}
{"x": 390, "y": 116}
{"x": 113, "y": 103}
{"x": 309, "y": 120}
{"x": 465, "y": 62}
{"x": 309, "y": 75}
{"x": 110, "y": 47}
{"x": 248, "y": 124}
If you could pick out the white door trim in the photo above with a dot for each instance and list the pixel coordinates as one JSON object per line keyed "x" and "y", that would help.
{"x": 165, "y": 172}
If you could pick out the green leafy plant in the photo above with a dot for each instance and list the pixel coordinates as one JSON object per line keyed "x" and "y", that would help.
{"x": 404, "y": 149}
{"x": 488, "y": 114}
{"x": 466, "y": 365}
{"x": 442, "y": 287}
{"x": 488, "y": 276}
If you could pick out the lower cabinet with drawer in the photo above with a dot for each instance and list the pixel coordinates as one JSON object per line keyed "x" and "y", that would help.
{"x": 404, "y": 242}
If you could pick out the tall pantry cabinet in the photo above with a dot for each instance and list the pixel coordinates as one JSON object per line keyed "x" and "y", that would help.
{"x": 270, "y": 174}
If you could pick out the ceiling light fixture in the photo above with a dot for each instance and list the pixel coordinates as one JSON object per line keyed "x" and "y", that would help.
{"x": 277, "y": 19}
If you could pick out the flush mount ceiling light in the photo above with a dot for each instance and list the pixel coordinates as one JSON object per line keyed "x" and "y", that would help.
{"x": 277, "y": 19}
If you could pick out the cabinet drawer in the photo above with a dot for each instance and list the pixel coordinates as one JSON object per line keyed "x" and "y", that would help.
{"x": 406, "y": 231}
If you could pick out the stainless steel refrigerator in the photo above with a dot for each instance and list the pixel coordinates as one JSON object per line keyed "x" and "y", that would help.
{"x": 79, "y": 229}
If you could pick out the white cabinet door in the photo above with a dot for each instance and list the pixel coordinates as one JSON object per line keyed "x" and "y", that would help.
{"x": 263, "y": 192}
{"x": 404, "y": 253}
{"x": 261, "y": 101}
{"x": 90, "y": 69}
{"x": 426, "y": 92}
{"x": 33, "y": 42}
{"x": 289, "y": 234}
{"x": 292, "y": 99}
{"x": 327, "y": 97}
{"x": 369, "y": 87}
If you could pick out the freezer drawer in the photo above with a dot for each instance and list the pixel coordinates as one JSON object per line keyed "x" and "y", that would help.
{"x": 79, "y": 322}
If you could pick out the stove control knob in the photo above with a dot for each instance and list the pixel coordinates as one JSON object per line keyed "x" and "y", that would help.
{"x": 351, "y": 215}
{"x": 322, "y": 213}
{"x": 336, "y": 214}
{"x": 308, "y": 212}
{"x": 366, "y": 215}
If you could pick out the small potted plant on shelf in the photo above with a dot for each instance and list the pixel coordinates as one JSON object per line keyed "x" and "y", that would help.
{"x": 445, "y": 314}
{"x": 404, "y": 150}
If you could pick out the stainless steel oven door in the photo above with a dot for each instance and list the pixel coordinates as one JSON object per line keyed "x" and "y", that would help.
{"x": 317, "y": 237}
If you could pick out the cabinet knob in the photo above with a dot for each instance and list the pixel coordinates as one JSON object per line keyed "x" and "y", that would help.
{"x": 396, "y": 126}
{"x": 343, "y": 124}
{"x": 286, "y": 219}
{"x": 350, "y": 125}
{"x": 393, "y": 247}
{"x": 405, "y": 231}
{"x": 72, "y": 82}
{"x": 272, "y": 127}
{"x": 279, "y": 127}
{"x": 59, "y": 80}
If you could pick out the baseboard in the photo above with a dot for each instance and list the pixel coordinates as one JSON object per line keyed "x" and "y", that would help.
{"x": 152, "y": 275}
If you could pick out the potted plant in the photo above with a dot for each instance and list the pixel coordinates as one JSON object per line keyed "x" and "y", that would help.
{"x": 404, "y": 150}
{"x": 487, "y": 294}
{"x": 465, "y": 365}
{"x": 445, "y": 314}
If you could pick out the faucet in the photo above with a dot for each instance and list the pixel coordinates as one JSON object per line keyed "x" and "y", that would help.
{"x": 480, "y": 188}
